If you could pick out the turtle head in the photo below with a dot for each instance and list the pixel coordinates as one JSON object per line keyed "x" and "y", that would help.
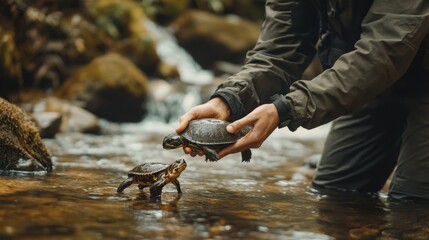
{"x": 176, "y": 168}
{"x": 173, "y": 141}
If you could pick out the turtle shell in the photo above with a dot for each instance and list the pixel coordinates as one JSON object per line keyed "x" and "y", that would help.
{"x": 148, "y": 169}
{"x": 211, "y": 131}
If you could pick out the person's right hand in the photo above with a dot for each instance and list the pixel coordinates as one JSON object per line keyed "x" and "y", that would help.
{"x": 214, "y": 108}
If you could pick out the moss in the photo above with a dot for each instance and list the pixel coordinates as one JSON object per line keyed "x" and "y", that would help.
{"x": 20, "y": 140}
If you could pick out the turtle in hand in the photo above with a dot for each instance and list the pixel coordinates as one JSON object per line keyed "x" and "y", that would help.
{"x": 208, "y": 135}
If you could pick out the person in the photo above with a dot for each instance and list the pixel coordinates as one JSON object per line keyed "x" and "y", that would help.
{"x": 375, "y": 89}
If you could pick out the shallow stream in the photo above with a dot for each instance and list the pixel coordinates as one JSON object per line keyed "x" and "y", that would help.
{"x": 268, "y": 198}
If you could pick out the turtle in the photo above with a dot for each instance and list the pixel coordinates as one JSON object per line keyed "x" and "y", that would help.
{"x": 154, "y": 175}
{"x": 208, "y": 135}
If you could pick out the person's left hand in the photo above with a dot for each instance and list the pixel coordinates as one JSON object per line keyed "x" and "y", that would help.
{"x": 263, "y": 120}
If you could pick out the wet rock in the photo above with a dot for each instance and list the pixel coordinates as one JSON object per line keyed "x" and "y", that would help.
{"x": 54, "y": 115}
{"x": 43, "y": 42}
{"x": 110, "y": 86}
{"x": 21, "y": 147}
{"x": 210, "y": 38}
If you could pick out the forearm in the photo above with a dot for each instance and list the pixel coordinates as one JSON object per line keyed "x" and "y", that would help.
{"x": 390, "y": 40}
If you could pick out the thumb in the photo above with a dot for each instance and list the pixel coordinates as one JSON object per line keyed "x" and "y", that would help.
{"x": 183, "y": 122}
{"x": 239, "y": 124}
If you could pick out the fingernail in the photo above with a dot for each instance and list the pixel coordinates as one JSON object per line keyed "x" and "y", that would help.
{"x": 230, "y": 129}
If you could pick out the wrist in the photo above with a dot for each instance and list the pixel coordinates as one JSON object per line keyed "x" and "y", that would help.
{"x": 235, "y": 107}
{"x": 284, "y": 110}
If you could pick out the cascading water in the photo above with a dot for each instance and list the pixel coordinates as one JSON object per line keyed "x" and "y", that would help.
{"x": 170, "y": 52}
{"x": 184, "y": 94}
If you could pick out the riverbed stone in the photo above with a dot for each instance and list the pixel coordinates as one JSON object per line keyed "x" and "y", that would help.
{"x": 54, "y": 115}
{"x": 210, "y": 38}
{"x": 21, "y": 147}
{"x": 110, "y": 86}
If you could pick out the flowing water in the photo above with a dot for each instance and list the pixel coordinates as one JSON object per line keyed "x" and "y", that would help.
{"x": 268, "y": 198}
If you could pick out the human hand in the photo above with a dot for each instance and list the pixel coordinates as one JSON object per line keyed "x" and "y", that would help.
{"x": 264, "y": 120}
{"x": 214, "y": 108}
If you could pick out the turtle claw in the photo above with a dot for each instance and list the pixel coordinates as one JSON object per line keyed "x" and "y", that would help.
{"x": 211, "y": 154}
{"x": 156, "y": 189}
{"x": 212, "y": 159}
{"x": 126, "y": 183}
{"x": 246, "y": 155}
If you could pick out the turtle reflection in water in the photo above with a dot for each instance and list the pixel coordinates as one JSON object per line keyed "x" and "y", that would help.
{"x": 208, "y": 135}
{"x": 155, "y": 176}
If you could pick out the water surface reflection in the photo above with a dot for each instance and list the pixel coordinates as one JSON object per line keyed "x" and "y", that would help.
{"x": 268, "y": 198}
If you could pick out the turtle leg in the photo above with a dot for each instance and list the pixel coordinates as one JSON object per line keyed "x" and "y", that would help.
{"x": 126, "y": 183}
{"x": 177, "y": 184}
{"x": 156, "y": 188}
{"x": 246, "y": 155}
{"x": 211, "y": 154}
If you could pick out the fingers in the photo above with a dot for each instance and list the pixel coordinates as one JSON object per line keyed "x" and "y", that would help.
{"x": 248, "y": 141}
{"x": 241, "y": 145}
{"x": 191, "y": 152}
{"x": 184, "y": 121}
{"x": 187, "y": 150}
{"x": 240, "y": 124}
{"x": 264, "y": 121}
{"x": 214, "y": 108}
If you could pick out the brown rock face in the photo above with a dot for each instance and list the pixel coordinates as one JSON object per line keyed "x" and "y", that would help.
{"x": 210, "y": 38}
{"x": 21, "y": 147}
{"x": 110, "y": 86}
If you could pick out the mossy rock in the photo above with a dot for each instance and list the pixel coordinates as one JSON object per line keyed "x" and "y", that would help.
{"x": 21, "y": 147}
{"x": 110, "y": 86}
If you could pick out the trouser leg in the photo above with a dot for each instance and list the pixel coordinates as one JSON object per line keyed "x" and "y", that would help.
{"x": 362, "y": 148}
{"x": 411, "y": 179}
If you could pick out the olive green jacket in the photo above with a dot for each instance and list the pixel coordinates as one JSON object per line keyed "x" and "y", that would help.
{"x": 384, "y": 41}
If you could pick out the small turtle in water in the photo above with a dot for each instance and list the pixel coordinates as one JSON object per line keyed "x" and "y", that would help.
{"x": 208, "y": 135}
{"x": 155, "y": 176}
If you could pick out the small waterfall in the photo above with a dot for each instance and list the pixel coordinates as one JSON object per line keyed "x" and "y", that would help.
{"x": 193, "y": 78}
{"x": 170, "y": 52}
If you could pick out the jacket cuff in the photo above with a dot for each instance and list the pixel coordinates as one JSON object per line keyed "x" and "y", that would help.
{"x": 235, "y": 106}
{"x": 284, "y": 110}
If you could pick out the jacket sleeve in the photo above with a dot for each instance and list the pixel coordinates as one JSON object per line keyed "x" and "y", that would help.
{"x": 285, "y": 47}
{"x": 392, "y": 33}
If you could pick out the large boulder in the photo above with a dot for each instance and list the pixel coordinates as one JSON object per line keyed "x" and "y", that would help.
{"x": 210, "y": 38}
{"x": 21, "y": 147}
{"x": 110, "y": 86}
